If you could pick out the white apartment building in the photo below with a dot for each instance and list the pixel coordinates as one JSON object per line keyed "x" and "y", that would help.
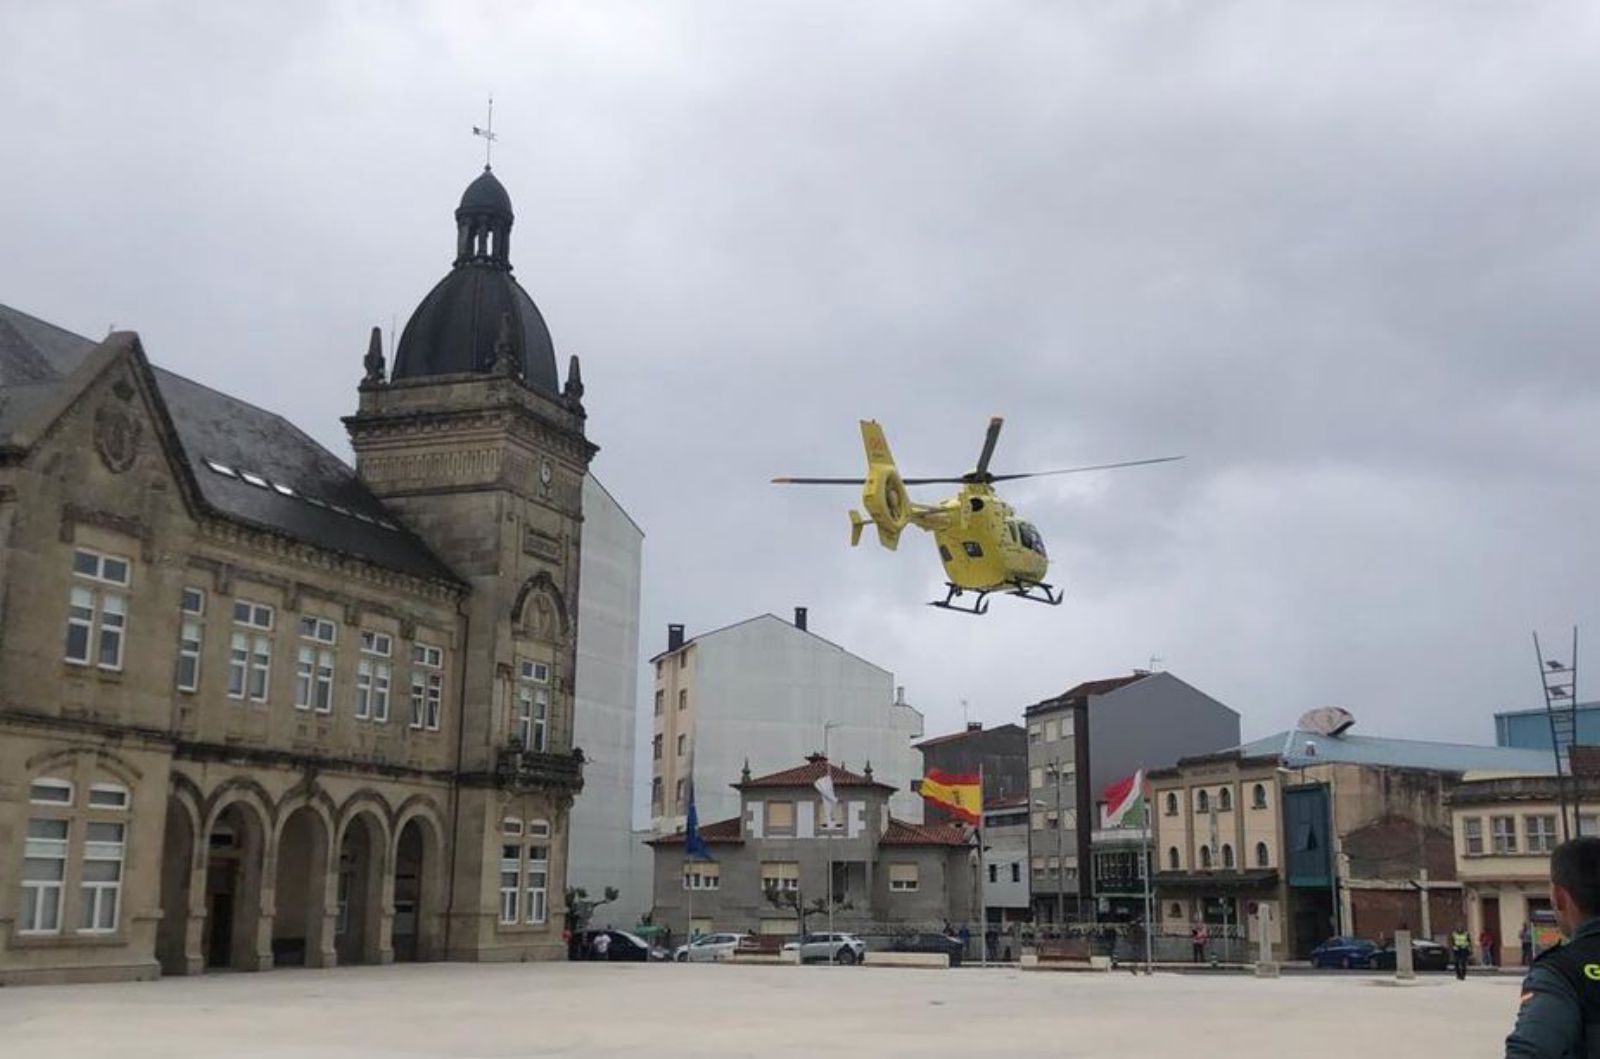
{"x": 759, "y": 693}
{"x": 604, "y": 849}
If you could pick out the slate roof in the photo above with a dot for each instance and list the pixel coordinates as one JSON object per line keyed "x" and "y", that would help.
{"x": 1086, "y": 690}
{"x": 809, "y": 773}
{"x": 723, "y": 832}
{"x": 974, "y": 733}
{"x": 1351, "y": 749}
{"x": 325, "y": 503}
{"x": 901, "y": 833}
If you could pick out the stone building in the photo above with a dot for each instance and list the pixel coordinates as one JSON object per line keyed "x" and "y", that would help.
{"x": 775, "y": 857}
{"x": 257, "y": 708}
{"x": 1334, "y": 833}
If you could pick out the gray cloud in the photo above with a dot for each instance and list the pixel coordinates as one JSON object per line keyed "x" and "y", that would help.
{"x": 1342, "y": 257}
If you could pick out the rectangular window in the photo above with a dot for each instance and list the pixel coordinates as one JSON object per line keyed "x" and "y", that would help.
{"x": 659, "y": 695}
{"x": 655, "y": 747}
{"x": 678, "y": 804}
{"x": 683, "y": 744}
{"x": 1016, "y": 871}
{"x": 427, "y": 686}
{"x": 1541, "y": 833}
{"x": 533, "y": 705}
{"x": 902, "y": 878}
{"x": 1035, "y": 734}
{"x": 50, "y": 792}
{"x": 250, "y": 652}
{"x": 1472, "y": 831}
{"x": 108, "y": 796}
{"x": 101, "y": 890}
{"x": 780, "y": 876}
{"x": 702, "y": 875}
{"x": 1052, "y": 820}
{"x": 97, "y": 616}
{"x": 1038, "y": 867}
{"x": 683, "y": 700}
{"x": 656, "y": 808}
{"x": 1051, "y": 731}
{"x": 1505, "y": 833}
{"x": 1038, "y": 820}
{"x": 1036, "y": 778}
{"x": 780, "y": 818}
{"x": 372, "y": 677}
{"x": 538, "y": 883}
{"x": 313, "y": 681}
{"x": 994, "y": 873}
{"x": 510, "y": 883}
{"x": 190, "y": 631}
{"x": 44, "y": 873}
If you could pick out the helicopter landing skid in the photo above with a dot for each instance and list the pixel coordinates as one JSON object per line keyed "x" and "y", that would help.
{"x": 979, "y": 605}
{"x": 1048, "y": 594}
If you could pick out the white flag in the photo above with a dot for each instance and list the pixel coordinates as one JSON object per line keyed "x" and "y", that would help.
{"x": 824, "y": 787}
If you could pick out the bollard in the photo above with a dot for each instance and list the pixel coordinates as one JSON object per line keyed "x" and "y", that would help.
{"x": 1265, "y": 967}
{"x": 1403, "y": 966}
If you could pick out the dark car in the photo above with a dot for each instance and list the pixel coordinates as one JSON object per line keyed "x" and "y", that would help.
{"x": 1349, "y": 953}
{"x": 944, "y": 943}
{"x": 1425, "y": 956}
{"x": 621, "y": 946}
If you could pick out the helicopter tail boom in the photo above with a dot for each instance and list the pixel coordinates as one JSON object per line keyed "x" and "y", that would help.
{"x": 883, "y": 493}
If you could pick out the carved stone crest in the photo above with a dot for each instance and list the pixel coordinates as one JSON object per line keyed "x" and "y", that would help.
{"x": 116, "y": 438}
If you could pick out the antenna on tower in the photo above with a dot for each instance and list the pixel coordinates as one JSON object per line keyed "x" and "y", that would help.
{"x": 1559, "y": 681}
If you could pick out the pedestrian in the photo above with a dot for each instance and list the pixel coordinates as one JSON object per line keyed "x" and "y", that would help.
{"x": 1198, "y": 939}
{"x": 1460, "y": 952}
{"x": 1486, "y": 944}
{"x": 1560, "y": 999}
{"x": 1526, "y": 937}
{"x": 601, "y": 945}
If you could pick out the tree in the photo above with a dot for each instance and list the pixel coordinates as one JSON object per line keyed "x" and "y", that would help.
{"x": 581, "y": 909}
{"x": 793, "y": 901}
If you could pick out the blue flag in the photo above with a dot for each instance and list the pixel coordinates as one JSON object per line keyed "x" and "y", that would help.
{"x": 693, "y": 844}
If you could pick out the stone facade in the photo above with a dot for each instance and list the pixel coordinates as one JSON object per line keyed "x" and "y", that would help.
{"x": 257, "y": 710}
{"x": 887, "y": 874}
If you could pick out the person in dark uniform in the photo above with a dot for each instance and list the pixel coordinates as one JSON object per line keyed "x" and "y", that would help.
{"x": 1560, "y": 1012}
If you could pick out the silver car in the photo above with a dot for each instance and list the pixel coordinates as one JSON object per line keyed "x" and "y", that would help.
{"x": 709, "y": 949}
{"x": 826, "y": 948}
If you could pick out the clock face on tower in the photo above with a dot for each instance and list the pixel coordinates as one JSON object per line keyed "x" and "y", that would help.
{"x": 544, "y": 471}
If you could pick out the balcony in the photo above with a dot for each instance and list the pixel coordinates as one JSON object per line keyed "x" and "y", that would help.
{"x": 517, "y": 769}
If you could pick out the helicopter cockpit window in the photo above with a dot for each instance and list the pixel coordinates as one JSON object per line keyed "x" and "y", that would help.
{"x": 973, "y": 549}
{"x": 1031, "y": 538}
{"x": 944, "y": 553}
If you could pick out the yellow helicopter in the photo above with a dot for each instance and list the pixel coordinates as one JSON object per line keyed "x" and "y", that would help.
{"x": 985, "y": 548}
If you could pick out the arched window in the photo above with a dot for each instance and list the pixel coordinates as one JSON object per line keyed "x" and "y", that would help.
{"x": 1262, "y": 859}
{"x": 1225, "y": 800}
{"x": 1173, "y": 863}
{"x": 1227, "y": 855}
{"x": 1202, "y": 801}
{"x": 1258, "y": 797}
{"x": 1177, "y": 910}
{"x": 1205, "y": 858}
{"x": 1172, "y": 804}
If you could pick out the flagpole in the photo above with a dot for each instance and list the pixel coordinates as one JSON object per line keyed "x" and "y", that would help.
{"x": 1148, "y": 869}
{"x": 983, "y": 901}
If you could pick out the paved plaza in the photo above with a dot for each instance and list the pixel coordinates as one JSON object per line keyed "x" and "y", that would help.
{"x": 703, "y": 1010}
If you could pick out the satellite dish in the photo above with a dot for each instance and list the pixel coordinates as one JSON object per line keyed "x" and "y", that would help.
{"x": 1327, "y": 720}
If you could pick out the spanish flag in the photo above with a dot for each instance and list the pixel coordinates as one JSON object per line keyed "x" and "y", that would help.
{"x": 958, "y": 793}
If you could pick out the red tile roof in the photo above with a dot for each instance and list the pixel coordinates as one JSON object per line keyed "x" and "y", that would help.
{"x": 723, "y": 832}
{"x": 901, "y": 833}
{"x": 809, "y": 773}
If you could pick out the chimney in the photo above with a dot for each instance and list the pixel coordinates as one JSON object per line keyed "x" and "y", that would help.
{"x": 974, "y": 726}
{"x": 800, "y": 618}
{"x": 899, "y": 694}
{"x": 674, "y": 637}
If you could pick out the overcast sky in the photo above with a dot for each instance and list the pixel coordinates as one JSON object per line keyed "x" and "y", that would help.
{"x": 1344, "y": 256}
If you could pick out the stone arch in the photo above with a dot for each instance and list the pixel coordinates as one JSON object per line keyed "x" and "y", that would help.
{"x": 418, "y": 885}
{"x": 178, "y": 935}
{"x": 364, "y": 882}
{"x": 370, "y": 802}
{"x": 525, "y": 619}
{"x": 302, "y": 847}
{"x": 238, "y": 830}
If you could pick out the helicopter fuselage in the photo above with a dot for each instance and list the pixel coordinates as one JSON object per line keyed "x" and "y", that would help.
{"x": 983, "y": 545}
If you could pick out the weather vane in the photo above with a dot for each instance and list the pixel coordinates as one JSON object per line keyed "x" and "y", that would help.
{"x": 487, "y": 132}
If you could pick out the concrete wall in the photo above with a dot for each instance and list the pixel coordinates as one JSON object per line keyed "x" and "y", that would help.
{"x": 762, "y": 691}
{"x": 604, "y": 849}
{"x": 1006, "y": 846}
{"x": 1152, "y": 723}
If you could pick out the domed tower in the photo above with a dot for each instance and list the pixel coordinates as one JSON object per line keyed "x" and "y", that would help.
{"x": 476, "y": 447}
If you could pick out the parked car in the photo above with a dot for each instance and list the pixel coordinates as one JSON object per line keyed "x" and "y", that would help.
{"x": 1425, "y": 956}
{"x": 823, "y": 948}
{"x": 708, "y": 949}
{"x": 623, "y": 946}
{"x": 951, "y": 946}
{"x": 1344, "y": 952}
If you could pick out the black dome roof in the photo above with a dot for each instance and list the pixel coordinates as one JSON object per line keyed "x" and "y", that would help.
{"x": 456, "y": 328}
{"x": 486, "y": 193}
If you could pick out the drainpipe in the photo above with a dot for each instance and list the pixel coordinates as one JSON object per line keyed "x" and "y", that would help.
{"x": 455, "y": 778}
